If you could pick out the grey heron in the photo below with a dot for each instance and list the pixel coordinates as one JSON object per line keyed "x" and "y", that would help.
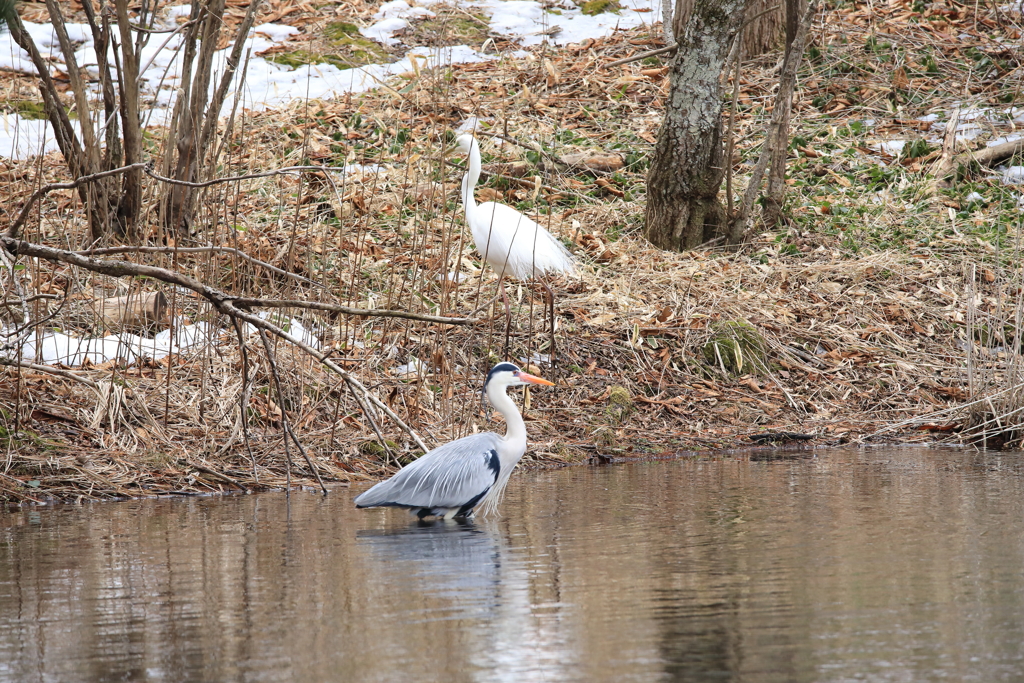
{"x": 460, "y": 477}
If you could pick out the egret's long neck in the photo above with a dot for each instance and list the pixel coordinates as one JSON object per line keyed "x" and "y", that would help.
{"x": 516, "y": 432}
{"x": 470, "y": 179}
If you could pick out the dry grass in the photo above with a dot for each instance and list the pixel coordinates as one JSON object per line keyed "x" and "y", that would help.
{"x": 863, "y": 301}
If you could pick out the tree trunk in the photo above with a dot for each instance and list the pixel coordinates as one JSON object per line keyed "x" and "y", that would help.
{"x": 131, "y": 186}
{"x": 683, "y": 210}
{"x": 105, "y": 203}
{"x": 774, "y": 195}
{"x": 764, "y": 29}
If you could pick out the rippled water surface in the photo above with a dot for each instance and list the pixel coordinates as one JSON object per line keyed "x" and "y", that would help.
{"x": 879, "y": 565}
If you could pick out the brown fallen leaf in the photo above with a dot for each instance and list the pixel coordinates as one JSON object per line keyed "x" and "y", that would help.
{"x": 595, "y": 161}
{"x": 607, "y": 185}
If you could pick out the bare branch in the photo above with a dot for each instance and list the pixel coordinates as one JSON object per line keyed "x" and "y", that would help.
{"x": 199, "y": 250}
{"x": 224, "y": 303}
{"x": 642, "y": 55}
{"x": 348, "y": 310}
{"x": 12, "y": 232}
{"x": 285, "y": 427}
{"x": 248, "y": 176}
{"x": 58, "y": 372}
{"x": 260, "y": 323}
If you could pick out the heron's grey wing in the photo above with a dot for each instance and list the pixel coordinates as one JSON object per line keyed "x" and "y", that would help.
{"x": 449, "y": 476}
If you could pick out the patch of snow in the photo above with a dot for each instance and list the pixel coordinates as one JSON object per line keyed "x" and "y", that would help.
{"x": 414, "y": 368}
{"x": 268, "y": 84}
{"x": 929, "y": 118}
{"x": 531, "y": 23}
{"x": 276, "y": 32}
{"x": 539, "y": 359}
{"x": 471, "y": 125}
{"x": 1004, "y": 138}
{"x": 391, "y": 18}
{"x": 53, "y": 347}
{"x": 384, "y": 30}
{"x": 1013, "y": 175}
{"x": 973, "y": 197}
{"x": 891, "y": 147}
{"x": 22, "y": 138}
{"x": 178, "y": 11}
{"x": 453, "y": 277}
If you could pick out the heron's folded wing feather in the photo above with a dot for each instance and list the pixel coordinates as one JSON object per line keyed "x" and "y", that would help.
{"x": 448, "y": 476}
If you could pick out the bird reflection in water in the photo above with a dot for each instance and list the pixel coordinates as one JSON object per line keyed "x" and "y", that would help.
{"x": 454, "y": 559}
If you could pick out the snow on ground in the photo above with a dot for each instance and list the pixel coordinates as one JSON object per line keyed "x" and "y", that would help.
{"x": 268, "y": 84}
{"x": 52, "y": 347}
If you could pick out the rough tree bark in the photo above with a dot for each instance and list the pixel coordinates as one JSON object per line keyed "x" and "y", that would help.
{"x": 683, "y": 210}
{"x": 774, "y": 196}
{"x": 776, "y": 139}
{"x": 196, "y": 113}
{"x": 99, "y": 148}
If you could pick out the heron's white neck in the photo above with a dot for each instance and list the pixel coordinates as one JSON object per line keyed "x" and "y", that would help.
{"x": 470, "y": 179}
{"x": 515, "y": 434}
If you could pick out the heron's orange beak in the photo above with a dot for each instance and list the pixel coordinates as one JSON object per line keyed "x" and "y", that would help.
{"x": 533, "y": 379}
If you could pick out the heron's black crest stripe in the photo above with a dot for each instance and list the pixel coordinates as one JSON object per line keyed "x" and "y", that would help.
{"x": 500, "y": 367}
{"x": 493, "y": 462}
{"x": 468, "y": 507}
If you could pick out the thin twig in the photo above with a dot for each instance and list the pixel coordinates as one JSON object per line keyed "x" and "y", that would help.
{"x": 285, "y": 428}
{"x": 373, "y": 422}
{"x": 243, "y": 399}
{"x": 245, "y": 302}
{"x": 199, "y": 250}
{"x": 58, "y": 372}
{"x": 12, "y": 231}
{"x": 219, "y": 300}
{"x": 642, "y": 55}
{"x": 247, "y": 176}
{"x": 787, "y": 80}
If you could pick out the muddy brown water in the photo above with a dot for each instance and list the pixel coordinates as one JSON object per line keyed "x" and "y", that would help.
{"x": 877, "y": 565}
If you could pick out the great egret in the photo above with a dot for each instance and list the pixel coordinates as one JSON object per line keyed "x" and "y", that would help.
{"x": 456, "y": 479}
{"x": 511, "y": 242}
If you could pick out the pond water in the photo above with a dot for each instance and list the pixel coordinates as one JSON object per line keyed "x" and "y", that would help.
{"x": 879, "y": 565}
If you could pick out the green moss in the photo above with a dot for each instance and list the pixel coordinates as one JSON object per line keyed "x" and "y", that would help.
{"x": 27, "y": 109}
{"x": 354, "y": 50}
{"x": 620, "y": 405}
{"x": 408, "y": 458}
{"x": 339, "y": 30}
{"x": 988, "y": 336}
{"x": 373, "y": 449}
{"x": 450, "y": 29}
{"x": 593, "y": 7}
{"x": 738, "y": 347}
{"x": 605, "y": 437}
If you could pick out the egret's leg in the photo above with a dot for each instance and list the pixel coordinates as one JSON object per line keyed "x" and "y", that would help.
{"x": 508, "y": 318}
{"x": 551, "y": 321}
